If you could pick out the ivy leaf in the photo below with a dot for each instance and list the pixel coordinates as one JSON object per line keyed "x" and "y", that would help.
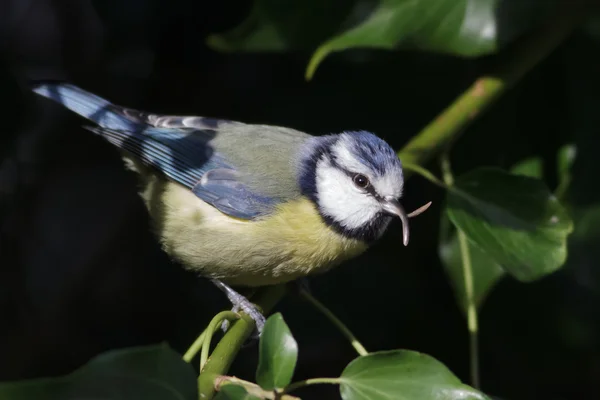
{"x": 277, "y": 354}
{"x": 532, "y": 167}
{"x": 564, "y": 161}
{"x": 459, "y": 27}
{"x": 514, "y": 219}
{"x": 152, "y": 372}
{"x": 402, "y": 374}
{"x": 486, "y": 273}
{"x": 276, "y": 26}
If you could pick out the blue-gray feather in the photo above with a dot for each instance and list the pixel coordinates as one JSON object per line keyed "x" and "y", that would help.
{"x": 87, "y": 105}
{"x": 228, "y": 164}
{"x": 374, "y": 152}
{"x": 222, "y": 188}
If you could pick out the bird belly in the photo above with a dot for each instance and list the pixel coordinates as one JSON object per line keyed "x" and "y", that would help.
{"x": 290, "y": 243}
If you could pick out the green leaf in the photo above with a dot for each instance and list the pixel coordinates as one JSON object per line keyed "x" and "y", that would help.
{"x": 486, "y": 272}
{"x": 532, "y": 167}
{"x": 277, "y": 354}
{"x": 234, "y": 392}
{"x": 459, "y": 27}
{"x": 402, "y": 374}
{"x": 513, "y": 219}
{"x": 564, "y": 161}
{"x": 277, "y": 26}
{"x": 153, "y": 372}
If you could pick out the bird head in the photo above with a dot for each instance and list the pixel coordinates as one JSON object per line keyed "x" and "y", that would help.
{"x": 355, "y": 180}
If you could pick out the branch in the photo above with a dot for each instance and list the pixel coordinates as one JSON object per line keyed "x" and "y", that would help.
{"x": 224, "y": 353}
{"x": 519, "y": 60}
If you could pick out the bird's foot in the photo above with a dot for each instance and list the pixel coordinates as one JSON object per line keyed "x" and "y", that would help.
{"x": 241, "y": 303}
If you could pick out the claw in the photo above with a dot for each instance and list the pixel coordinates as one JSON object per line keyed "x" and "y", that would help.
{"x": 241, "y": 303}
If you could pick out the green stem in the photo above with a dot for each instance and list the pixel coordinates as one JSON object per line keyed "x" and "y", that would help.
{"x": 446, "y": 170}
{"x": 337, "y": 322}
{"x": 472, "y": 323}
{"x": 212, "y": 327}
{"x": 195, "y": 347}
{"x": 561, "y": 189}
{"x": 313, "y": 381}
{"x": 225, "y": 351}
{"x": 516, "y": 61}
{"x": 425, "y": 173}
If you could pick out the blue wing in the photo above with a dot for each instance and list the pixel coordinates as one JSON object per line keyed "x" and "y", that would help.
{"x": 184, "y": 155}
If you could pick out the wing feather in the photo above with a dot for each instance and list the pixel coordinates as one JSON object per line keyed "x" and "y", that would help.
{"x": 228, "y": 164}
{"x": 209, "y": 177}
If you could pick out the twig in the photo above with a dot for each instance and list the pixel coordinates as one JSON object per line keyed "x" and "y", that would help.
{"x": 225, "y": 351}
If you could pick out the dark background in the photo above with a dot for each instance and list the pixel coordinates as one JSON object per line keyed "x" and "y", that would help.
{"x": 80, "y": 273}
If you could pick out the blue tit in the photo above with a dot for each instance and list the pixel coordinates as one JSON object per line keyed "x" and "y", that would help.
{"x": 251, "y": 205}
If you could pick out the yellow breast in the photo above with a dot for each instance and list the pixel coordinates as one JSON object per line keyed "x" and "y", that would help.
{"x": 290, "y": 243}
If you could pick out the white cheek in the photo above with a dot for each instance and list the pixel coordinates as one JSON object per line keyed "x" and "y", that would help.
{"x": 341, "y": 200}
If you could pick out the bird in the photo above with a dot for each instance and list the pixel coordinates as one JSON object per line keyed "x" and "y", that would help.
{"x": 250, "y": 205}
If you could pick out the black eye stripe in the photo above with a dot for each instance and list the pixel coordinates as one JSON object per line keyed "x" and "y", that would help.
{"x": 369, "y": 189}
{"x": 372, "y": 192}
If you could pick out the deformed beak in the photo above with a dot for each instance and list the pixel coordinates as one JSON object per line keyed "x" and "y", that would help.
{"x": 393, "y": 207}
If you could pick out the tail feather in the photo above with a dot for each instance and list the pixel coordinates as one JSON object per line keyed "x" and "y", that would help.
{"x": 86, "y": 104}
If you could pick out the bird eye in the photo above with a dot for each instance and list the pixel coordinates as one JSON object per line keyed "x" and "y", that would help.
{"x": 361, "y": 181}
